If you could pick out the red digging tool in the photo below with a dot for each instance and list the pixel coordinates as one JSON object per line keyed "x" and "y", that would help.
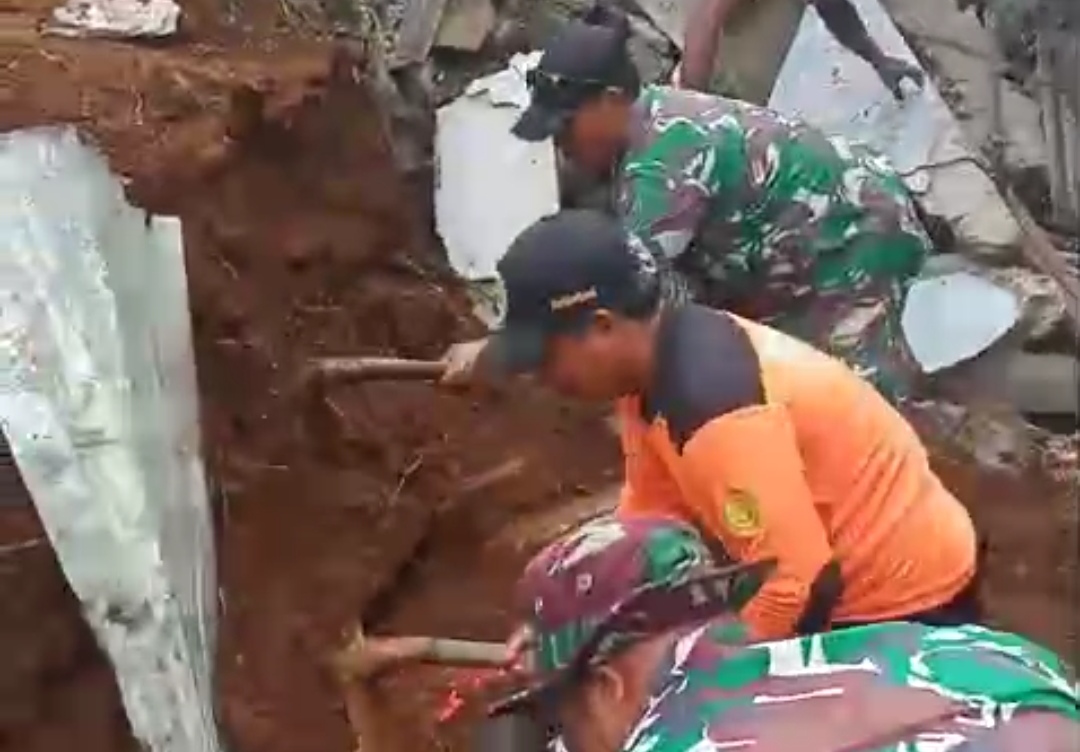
{"x": 365, "y": 658}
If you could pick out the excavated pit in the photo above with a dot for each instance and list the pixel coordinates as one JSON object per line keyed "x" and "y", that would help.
{"x": 301, "y": 240}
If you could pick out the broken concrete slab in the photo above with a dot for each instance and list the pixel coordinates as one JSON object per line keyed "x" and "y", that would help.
{"x": 920, "y": 135}
{"x": 465, "y": 25}
{"x": 1043, "y": 304}
{"x": 1044, "y": 383}
{"x": 416, "y": 35}
{"x": 995, "y": 438}
{"x": 651, "y": 50}
{"x": 669, "y": 16}
{"x": 534, "y": 531}
{"x": 1036, "y": 384}
{"x": 951, "y": 318}
{"x": 965, "y": 54}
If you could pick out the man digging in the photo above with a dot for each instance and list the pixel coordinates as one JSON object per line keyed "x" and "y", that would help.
{"x": 635, "y": 645}
{"x": 736, "y": 206}
{"x": 768, "y": 446}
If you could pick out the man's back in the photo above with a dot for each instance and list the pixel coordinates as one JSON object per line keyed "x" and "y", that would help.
{"x": 779, "y": 450}
{"x": 884, "y": 688}
{"x": 755, "y": 199}
{"x": 871, "y": 479}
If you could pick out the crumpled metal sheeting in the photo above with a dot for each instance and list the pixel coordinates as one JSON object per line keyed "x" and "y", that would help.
{"x": 98, "y": 404}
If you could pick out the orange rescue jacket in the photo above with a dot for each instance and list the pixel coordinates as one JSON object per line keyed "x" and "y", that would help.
{"x": 775, "y": 449}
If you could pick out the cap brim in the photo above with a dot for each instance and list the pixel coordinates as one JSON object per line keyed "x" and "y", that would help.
{"x": 517, "y": 349}
{"x": 530, "y": 697}
{"x": 539, "y": 123}
{"x": 728, "y": 590}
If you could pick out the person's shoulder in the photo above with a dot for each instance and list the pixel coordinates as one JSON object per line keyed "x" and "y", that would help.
{"x": 775, "y": 347}
{"x": 962, "y": 658}
{"x": 707, "y": 367}
{"x": 664, "y": 115}
{"x": 992, "y": 666}
{"x": 676, "y": 721}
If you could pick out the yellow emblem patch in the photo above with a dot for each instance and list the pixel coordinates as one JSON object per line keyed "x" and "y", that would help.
{"x": 742, "y": 515}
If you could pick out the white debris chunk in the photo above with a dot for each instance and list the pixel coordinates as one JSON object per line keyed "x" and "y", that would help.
{"x": 1043, "y": 303}
{"x": 124, "y": 19}
{"x": 490, "y": 185}
{"x": 951, "y": 318}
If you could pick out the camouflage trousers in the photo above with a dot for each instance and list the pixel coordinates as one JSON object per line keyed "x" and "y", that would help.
{"x": 865, "y": 332}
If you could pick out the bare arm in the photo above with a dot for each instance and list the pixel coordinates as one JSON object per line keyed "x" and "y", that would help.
{"x": 843, "y": 21}
{"x": 702, "y": 41}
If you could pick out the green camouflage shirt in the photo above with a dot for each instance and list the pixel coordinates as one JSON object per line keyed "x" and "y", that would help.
{"x": 759, "y": 212}
{"x": 740, "y": 208}
{"x": 708, "y": 700}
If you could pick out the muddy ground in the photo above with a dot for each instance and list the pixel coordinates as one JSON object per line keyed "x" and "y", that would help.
{"x": 300, "y": 241}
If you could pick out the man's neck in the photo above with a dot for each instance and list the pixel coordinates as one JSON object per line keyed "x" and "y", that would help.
{"x": 643, "y": 356}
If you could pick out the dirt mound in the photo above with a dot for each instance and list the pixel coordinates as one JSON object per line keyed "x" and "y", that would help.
{"x": 301, "y": 241}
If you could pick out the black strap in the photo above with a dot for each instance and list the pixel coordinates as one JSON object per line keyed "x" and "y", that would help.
{"x": 825, "y": 593}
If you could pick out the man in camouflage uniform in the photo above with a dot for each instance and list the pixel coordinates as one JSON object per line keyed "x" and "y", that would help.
{"x": 739, "y": 207}
{"x": 744, "y": 209}
{"x": 633, "y": 646}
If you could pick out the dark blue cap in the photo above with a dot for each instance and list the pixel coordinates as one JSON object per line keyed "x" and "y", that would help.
{"x": 557, "y": 274}
{"x": 580, "y": 61}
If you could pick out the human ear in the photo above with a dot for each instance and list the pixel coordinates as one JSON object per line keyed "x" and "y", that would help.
{"x": 603, "y": 321}
{"x": 608, "y": 687}
{"x": 606, "y": 705}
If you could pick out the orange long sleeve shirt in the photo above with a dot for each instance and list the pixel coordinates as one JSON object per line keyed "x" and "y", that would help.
{"x": 777, "y": 450}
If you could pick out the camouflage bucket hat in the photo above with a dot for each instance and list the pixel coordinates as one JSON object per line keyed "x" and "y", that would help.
{"x": 612, "y": 582}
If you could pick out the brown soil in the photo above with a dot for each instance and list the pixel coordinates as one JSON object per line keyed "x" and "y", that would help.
{"x": 302, "y": 241}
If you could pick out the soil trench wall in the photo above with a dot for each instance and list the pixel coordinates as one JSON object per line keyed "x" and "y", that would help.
{"x": 302, "y": 241}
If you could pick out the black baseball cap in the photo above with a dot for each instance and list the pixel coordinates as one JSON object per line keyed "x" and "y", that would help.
{"x": 557, "y": 273}
{"x": 580, "y": 61}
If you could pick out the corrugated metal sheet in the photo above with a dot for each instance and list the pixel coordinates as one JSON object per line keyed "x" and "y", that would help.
{"x": 12, "y": 490}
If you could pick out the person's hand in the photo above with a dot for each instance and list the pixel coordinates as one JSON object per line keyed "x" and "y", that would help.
{"x": 518, "y": 645}
{"x": 893, "y": 71}
{"x": 462, "y": 360}
{"x": 978, "y": 5}
{"x": 676, "y": 77}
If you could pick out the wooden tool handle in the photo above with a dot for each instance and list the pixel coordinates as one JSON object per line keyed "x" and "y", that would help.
{"x": 366, "y": 657}
{"x": 378, "y": 369}
{"x": 466, "y": 653}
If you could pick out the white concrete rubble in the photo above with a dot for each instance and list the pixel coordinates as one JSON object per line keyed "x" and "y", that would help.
{"x": 966, "y": 54}
{"x": 954, "y": 317}
{"x": 827, "y": 86}
{"x": 122, "y": 19}
{"x": 489, "y": 184}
